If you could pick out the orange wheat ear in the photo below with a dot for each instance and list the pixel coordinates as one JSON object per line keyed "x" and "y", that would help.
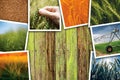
{"x": 77, "y": 12}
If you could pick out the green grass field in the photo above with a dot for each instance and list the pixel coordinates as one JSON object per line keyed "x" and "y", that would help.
{"x": 14, "y": 71}
{"x": 102, "y": 47}
{"x": 41, "y": 22}
{"x": 105, "y": 11}
{"x": 13, "y": 40}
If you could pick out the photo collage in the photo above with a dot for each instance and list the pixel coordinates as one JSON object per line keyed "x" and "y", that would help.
{"x": 59, "y": 39}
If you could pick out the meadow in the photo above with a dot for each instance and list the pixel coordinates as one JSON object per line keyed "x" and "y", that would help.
{"x": 101, "y": 48}
{"x": 41, "y": 22}
{"x": 14, "y": 71}
{"x": 105, "y": 11}
{"x": 13, "y": 40}
{"x": 106, "y": 69}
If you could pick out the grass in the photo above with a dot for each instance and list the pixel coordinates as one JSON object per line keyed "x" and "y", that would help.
{"x": 14, "y": 71}
{"x": 105, "y": 11}
{"x": 104, "y": 70}
{"x": 13, "y": 41}
{"x": 102, "y": 47}
{"x": 41, "y": 22}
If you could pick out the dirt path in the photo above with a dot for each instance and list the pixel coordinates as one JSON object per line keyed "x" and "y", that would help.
{"x": 100, "y": 54}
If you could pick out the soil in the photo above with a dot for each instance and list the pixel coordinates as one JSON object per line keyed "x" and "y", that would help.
{"x": 98, "y": 54}
{"x": 14, "y": 10}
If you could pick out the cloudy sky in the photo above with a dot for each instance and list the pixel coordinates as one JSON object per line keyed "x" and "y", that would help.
{"x": 7, "y": 26}
{"x": 108, "y": 60}
{"x": 101, "y": 34}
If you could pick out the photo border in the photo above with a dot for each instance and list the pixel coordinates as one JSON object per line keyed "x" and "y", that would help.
{"x": 42, "y": 30}
{"x": 74, "y": 26}
{"x": 27, "y": 36}
{"x": 27, "y": 33}
{"x": 93, "y": 43}
{"x": 90, "y": 3}
{"x": 28, "y": 59}
{"x": 103, "y": 24}
{"x": 90, "y": 65}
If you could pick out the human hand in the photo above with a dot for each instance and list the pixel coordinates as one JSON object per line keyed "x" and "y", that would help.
{"x": 52, "y": 12}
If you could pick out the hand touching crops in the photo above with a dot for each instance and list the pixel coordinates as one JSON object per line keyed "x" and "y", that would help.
{"x": 52, "y": 12}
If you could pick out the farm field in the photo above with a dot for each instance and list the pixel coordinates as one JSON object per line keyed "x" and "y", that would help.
{"x": 12, "y": 36}
{"x": 101, "y": 48}
{"x": 77, "y": 12}
{"x": 14, "y": 66}
{"x": 38, "y": 22}
{"x": 105, "y": 11}
{"x": 107, "y": 68}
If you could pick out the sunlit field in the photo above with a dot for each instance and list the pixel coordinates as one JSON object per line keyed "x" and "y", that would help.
{"x": 106, "y": 39}
{"x": 14, "y": 66}
{"x": 12, "y": 36}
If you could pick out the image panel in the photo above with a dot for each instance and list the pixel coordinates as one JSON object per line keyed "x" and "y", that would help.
{"x": 44, "y": 15}
{"x": 74, "y": 12}
{"x": 106, "y": 39}
{"x": 14, "y": 10}
{"x": 106, "y": 68}
{"x": 12, "y": 35}
{"x": 104, "y": 12}
{"x": 14, "y": 66}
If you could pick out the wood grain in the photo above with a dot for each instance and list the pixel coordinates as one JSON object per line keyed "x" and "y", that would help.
{"x": 75, "y": 12}
{"x": 84, "y": 48}
{"x": 60, "y": 55}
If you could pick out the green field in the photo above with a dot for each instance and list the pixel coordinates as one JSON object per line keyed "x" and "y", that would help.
{"x": 105, "y": 11}
{"x": 13, "y": 40}
{"x": 41, "y": 22}
{"x": 102, "y": 47}
{"x": 14, "y": 71}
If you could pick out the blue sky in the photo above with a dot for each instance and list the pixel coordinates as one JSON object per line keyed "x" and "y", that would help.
{"x": 7, "y": 26}
{"x": 104, "y": 30}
